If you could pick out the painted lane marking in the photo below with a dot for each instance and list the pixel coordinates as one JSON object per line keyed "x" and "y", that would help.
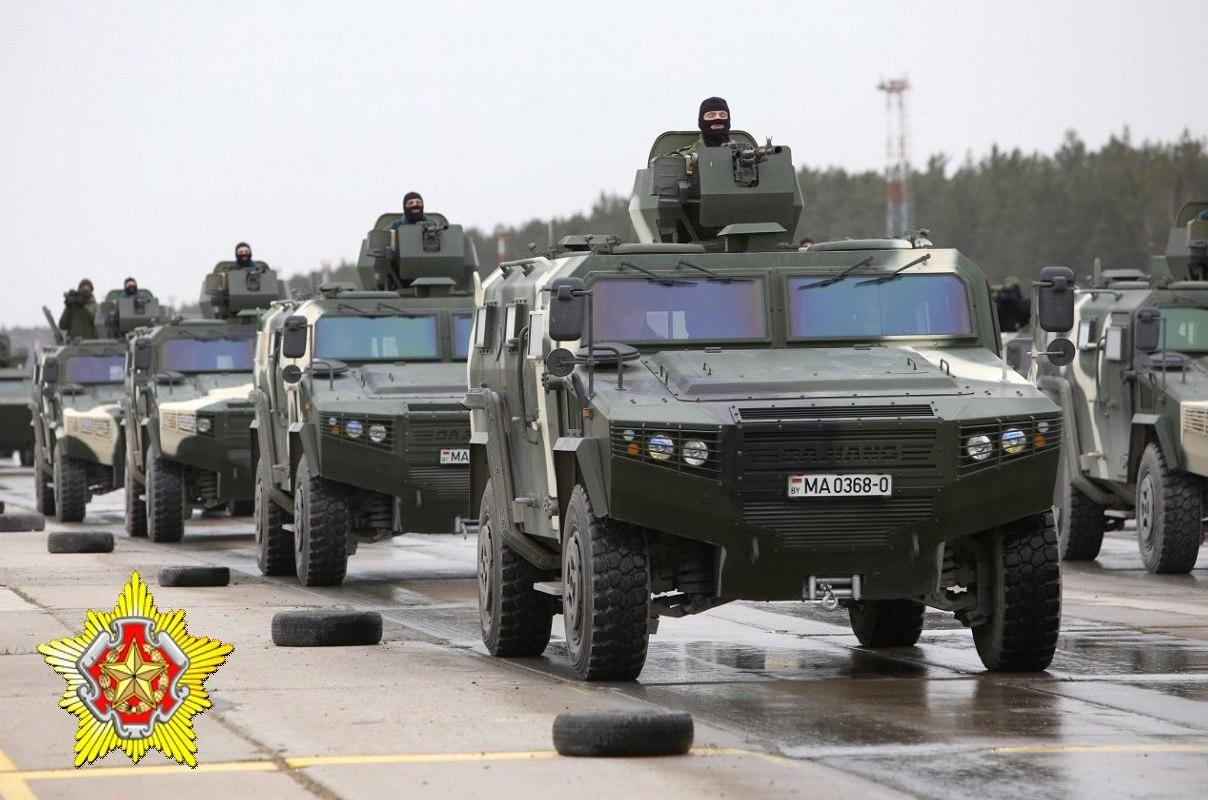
{"x": 12, "y": 785}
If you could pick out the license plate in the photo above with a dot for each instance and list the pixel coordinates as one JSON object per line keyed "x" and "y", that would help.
{"x": 457, "y": 455}
{"x": 840, "y": 485}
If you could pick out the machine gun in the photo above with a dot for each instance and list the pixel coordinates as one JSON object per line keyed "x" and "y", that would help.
{"x": 230, "y": 290}
{"x": 748, "y": 159}
{"x": 428, "y": 258}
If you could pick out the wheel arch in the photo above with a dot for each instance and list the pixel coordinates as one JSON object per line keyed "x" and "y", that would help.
{"x": 1148, "y": 428}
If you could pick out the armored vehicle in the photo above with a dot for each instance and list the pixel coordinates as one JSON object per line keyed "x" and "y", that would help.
{"x": 360, "y": 433}
{"x": 714, "y": 414}
{"x": 186, "y": 406}
{"x": 1135, "y": 404}
{"x": 16, "y": 431}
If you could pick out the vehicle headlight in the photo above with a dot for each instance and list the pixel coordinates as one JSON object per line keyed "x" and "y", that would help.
{"x": 204, "y": 424}
{"x": 695, "y": 453}
{"x": 979, "y": 447}
{"x": 1042, "y": 426}
{"x": 377, "y": 433}
{"x": 1014, "y": 442}
{"x": 353, "y": 428}
{"x": 660, "y": 447}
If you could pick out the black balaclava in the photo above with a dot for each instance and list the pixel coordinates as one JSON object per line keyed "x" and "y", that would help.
{"x": 714, "y": 137}
{"x": 243, "y": 261}
{"x": 130, "y": 286}
{"x": 410, "y": 215}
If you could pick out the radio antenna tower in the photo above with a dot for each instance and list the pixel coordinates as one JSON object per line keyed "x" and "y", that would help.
{"x": 897, "y": 161}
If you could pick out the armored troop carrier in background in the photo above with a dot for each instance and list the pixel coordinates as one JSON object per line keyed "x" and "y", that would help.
{"x": 1135, "y": 404}
{"x": 186, "y": 406}
{"x": 79, "y": 448}
{"x": 713, "y": 414}
{"x": 16, "y": 430}
{"x": 360, "y": 433}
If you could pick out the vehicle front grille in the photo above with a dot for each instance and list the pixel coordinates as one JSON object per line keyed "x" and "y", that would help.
{"x": 632, "y": 441}
{"x": 758, "y": 413}
{"x": 237, "y": 434}
{"x": 452, "y": 482}
{"x": 426, "y": 438}
{"x": 839, "y": 525}
{"x": 774, "y": 452}
{"x": 1040, "y": 434}
{"x": 335, "y": 425}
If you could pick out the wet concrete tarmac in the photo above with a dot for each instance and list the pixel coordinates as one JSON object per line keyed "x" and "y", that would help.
{"x": 786, "y": 701}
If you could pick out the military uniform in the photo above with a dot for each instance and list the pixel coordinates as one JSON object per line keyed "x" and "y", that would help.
{"x": 80, "y": 321}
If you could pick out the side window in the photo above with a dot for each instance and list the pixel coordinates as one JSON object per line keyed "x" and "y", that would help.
{"x": 484, "y": 322}
{"x": 513, "y": 323}
{"x": 1086, "y": 335}
{"x": 1113, "y": 349}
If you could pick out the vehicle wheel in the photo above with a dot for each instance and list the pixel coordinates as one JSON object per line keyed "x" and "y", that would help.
{"x": 1025, "y": 617}
{"x": 241, "y": 508}
{"x": 321, "y": 521}
{"x": 27, "y": 457}
{"x": 136, "y": 507}
{"x": 623, "y": 734}
{"x": 887, "y": 623}
{"x": 79, "y": 542}
{"x": 194, "y": 576}
{"x": 274, "y": 544}
{"x": 515, "y": 619}
{"x": 1170, "y": 510}
{"x": 14, "y": 521}
{"x": 1082, "y": 522}
{"x": 44, "y": 492}
{"x": 605, "y": 594}
{"x": 165, "y": 500}
{"x": 326, "y": 628}
{"x": 71, "y": 487}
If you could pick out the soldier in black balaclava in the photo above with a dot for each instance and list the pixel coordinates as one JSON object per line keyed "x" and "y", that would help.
{"x": 243, "y": 256}
{"x": 413, "y": 210}
{"x": 714, "y": 121}
{"x": 130, "y": 287}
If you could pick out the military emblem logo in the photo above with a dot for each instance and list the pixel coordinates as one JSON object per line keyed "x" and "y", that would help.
{"x": 135, "y": 679}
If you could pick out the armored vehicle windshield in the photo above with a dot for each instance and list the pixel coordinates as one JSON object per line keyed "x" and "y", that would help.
{"x": 208, "y": 355}
{"x": 394, "y": 338}
{"x": 90, "y": 370}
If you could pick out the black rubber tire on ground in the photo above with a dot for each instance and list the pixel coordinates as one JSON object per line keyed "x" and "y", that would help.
{"x": 274, "y": 544}
{"x": 887, "y": 623}
{"x": 71, "y": 487}
{"x": 515, "y": 619}
{"x": 241, "y": 508}
{"x": 1025, "y": 618}
{"x": 326, "y": 628}
{"x": 26, "y": 457}
{"x": 1170, "y": 513}
{"x": 321, "y": 525}
{"x": 623, "y": 734}
{"x": 165, "y": 499}
{"x": 13, "y": 521}
{"x": 605, "y": 594}
{"x": 1081, "y": 522}
{"x": 136, "y": 506}
{"x": 79, "y": 542}
{"x": 194, "y": 576}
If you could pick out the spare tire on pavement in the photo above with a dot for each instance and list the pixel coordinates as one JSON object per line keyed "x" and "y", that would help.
{"x": 22, "y": 522}
{"x": 79, "y": 542}
{"x": 623, "y": 734}
{"x": 326, "y": 628}
{"x": 194, "y": 576}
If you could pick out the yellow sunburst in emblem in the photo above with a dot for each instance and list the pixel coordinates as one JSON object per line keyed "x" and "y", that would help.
{"x": 135, "y": 679}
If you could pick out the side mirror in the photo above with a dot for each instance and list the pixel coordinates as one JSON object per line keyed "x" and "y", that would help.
{"x": 291, "y": 373}
{"x": 293, "y": 337}
{"x": 567, "y": 309}
{"x": 1147, "y": 332}
{"x": 142, "y": 354}
{"x": 50, "y": 371}
{"x": 560, "y": 362}
{"x": 1056, "y": 313}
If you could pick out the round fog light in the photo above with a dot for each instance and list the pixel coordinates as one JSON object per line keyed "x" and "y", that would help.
{"x": 979, "y": 447}
{"x": 204, "y": 424}
{"x": 1014, "y": 442}
{"x": 352, "y": 429}
{"x": 377, "y": 433}
{"x": 696, "y": 453}
{"x": 660, "y": 447}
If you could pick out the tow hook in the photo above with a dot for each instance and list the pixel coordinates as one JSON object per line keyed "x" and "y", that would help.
{"x": 830, "y": 590}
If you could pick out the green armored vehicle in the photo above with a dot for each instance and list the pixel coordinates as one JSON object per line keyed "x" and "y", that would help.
{"x": 79, "y": 448}
{"x": 713, "y": 414}
{"x": 186, "y": 406}
{"x": 1135, "y": 405}
{"x": 360, "y": 433}
{"x": 16, "y": 430}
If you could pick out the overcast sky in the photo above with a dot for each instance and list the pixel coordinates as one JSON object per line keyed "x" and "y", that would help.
{"x": 147, "y": 138}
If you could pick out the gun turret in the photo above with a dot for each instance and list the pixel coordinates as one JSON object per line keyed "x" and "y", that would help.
{"x": 230, "y": 289}
{"x": 737, "y": 196}
{"x": 120, "y": 313}
{"x": 1187, "y": 246}
{"x": 428, "y": 258}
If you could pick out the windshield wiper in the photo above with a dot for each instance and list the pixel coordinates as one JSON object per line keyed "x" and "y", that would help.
{"x": 832, "y": 280}
{"x": 897, "y": 272}
{"x": 713, "y": 276}
{"x": 390, "y": 308}
{"x": 659, "y": 279}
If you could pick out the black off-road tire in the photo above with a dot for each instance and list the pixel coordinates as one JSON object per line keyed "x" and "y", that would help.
{"x": 1082, "y": 523}
{"x": 26, "y": 457}
{"x": 71, "y": 487}
{"x": 44, "y": 491}
{"x": 321, "y": 525}
{"x": 13, "y": 521}
{"x": 274, "y": 544}
{"x": 165, "y": 492}
{"x": 79, "y": 542}
{"x": 887, "y": 623}
{"x": 241, "y": 508}
{"x": 194, "y": 576}
{"x": 326, "y": 628}
{"x": 136, "y": 506}
{"x": 515, "y": 619}
{"x": 1170, "y": 513}
{"x": 605, "y": 594}
{"x": 623, "y": 734}
{"x": 1025, "y": 618}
